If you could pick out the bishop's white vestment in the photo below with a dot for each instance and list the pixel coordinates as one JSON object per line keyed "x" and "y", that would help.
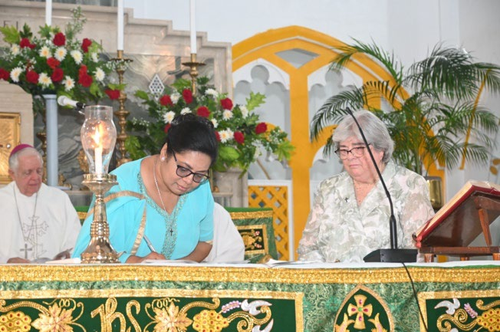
{"x": 46, "y": 231}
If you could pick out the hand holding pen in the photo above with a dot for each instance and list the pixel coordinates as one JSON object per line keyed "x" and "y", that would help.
{"x": 150, "y": 245}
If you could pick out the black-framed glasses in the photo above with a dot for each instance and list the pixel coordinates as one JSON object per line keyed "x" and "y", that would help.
{"x": 357, "y": 151}
{"x": 184, "y": 172}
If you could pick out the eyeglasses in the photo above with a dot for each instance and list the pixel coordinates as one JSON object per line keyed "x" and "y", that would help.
{"x": 184, "y": 172}
{"x": 357, "y": 151}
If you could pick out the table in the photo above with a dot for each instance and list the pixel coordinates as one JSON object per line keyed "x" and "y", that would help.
{"x": 284, "y": 298}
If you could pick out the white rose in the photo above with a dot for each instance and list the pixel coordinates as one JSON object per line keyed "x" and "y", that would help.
{"x": 100, "y": 74}
{"x": 44, "y": 80}
{"x": 227, "y": 114}
{"x": 77, "y": 56}
{"x": 168, "y": 117}
{"x": 60, "y": 53}
{"x": 15, "y": 73}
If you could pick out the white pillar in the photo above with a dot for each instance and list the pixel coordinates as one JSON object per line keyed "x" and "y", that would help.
{"x": 52, "y": 137}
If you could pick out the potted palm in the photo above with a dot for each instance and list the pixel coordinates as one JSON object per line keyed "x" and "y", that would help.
{"x": 431, "y": 110}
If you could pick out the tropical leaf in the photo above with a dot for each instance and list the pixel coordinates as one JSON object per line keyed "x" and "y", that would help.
{"x": 431, "y": 110}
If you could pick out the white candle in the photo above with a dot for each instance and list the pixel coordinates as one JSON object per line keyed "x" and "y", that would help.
{"x": 120, "y": 25}
{"x": 98, "y": 160}
{"x": 48, "y": 12}
{"x": 98, "y": 151}
{"x": 192, "y": 25}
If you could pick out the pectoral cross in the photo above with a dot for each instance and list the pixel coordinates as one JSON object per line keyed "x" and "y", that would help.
{"x": 26, "y": 250}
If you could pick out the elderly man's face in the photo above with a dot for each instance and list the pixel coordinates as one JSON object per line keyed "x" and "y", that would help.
{"x": 28, "y": 175}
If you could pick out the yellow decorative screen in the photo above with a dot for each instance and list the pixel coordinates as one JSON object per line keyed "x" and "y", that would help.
{"x": 10, "y": 133}
{"x": 275, "y": 197}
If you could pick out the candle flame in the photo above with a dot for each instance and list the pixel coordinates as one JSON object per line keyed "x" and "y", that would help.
{"x": 97, "y": 137}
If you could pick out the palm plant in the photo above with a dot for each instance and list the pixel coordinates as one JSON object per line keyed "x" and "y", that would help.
{"x": 431, "y": 110}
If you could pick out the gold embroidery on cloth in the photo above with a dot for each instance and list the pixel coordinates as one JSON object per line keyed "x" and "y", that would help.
{"x": 162, "y": 312}
{"x": 254, "y": 238}
{"x": 359, "y": 311}
{"x": 457, "y": 317}
{"x": 124, "y": 272}
{"x": 251, "y": 215}
{"x": 15, "y": 318}
{"x": 107, "y": 313}
{"x": 58, "y": 316}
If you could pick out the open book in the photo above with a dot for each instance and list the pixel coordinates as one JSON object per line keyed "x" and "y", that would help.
{"x": 457, "y": 222}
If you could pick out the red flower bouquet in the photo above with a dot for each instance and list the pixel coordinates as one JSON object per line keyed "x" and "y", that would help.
{"x": 54, "y": 62}
{"x": 242, "y": 137}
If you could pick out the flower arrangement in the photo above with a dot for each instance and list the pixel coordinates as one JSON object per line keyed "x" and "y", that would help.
{"x": 55, "y": 62}
{"x": 240, "y": 133}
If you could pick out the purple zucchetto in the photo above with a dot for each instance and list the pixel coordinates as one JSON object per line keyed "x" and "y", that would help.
{"x": 19, "y": 148}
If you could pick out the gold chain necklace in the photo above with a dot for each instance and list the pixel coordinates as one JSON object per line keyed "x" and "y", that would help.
{"x": 159, "y": 193}
{"x": 33, "y": 224}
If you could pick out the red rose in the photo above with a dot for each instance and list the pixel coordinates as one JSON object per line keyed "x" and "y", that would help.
{"x": 239, "y": 137}
{"x": 217, "y": 136}
{"x": 85, "y": 80}
{"x": 4, "y": 74}
{"x": 167, "y": 127}
{"x": 82, "y": 70}
{"x": 25, "y": 42}
{"x": 32, "y": 76}
{"x": 203, "y": 111}
{"x": 188, "y": 96}
{"x": 226, "y": 104}
{"x": 166, "y": 100}
{"x": 113, "y": 94}
{"x": 261, "y": 128}
{"x": 85, "y": 44}
{"x": 59, "y": 39}
{"x": 57, "y": 75}
{"x": 53, "y": 62}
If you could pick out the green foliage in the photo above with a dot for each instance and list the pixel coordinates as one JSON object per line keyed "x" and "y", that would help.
{"x": 241, "y": 134}
{"x": 255, "y": 100}
{"x": 11, "y": 35}
{"x": 429, "y": 109}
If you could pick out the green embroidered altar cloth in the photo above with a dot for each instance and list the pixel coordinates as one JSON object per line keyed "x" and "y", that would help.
{"x": 261, "y": 298}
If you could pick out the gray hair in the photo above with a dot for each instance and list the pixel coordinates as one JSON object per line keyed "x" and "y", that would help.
{"x": 14, "y": 159}
{"x": 375, "y": 131}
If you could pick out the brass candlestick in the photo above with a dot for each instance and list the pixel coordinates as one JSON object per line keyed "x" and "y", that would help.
{"x": 99, "y": 249}
{"x": 122, "y": 113}
{"x": 193, "y": 72}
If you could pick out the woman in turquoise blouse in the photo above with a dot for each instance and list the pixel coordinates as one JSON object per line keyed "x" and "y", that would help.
{"x": 164, "y": 198}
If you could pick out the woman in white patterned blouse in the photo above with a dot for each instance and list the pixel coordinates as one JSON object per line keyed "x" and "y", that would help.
{"x": 350, "y": 214}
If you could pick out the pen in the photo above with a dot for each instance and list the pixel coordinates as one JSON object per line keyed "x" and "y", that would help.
{"x": 150, "y": 245}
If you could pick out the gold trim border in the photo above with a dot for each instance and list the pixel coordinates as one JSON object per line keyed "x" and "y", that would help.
{"x": 423, "y": 296}
{"x": 297, "y": 297}
{"x": 251, "y": 215}
{"x": 142, "y": 272}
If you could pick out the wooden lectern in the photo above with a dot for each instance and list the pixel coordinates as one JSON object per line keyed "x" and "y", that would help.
{"x": 468, "y": 214}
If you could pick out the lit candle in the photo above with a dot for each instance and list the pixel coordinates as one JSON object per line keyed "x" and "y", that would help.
{"x": 193, "y": 26}
{"x": 120, "y": 25}
{"x": 48, "y": 12}
{"x": 98, "y": 152}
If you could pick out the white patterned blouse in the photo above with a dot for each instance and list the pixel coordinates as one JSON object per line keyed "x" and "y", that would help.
{"x": 338, "y": 230}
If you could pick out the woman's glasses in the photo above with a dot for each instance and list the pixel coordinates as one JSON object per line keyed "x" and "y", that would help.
{"x": 357, "y": 151}
{"x": 184, "y": 172}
